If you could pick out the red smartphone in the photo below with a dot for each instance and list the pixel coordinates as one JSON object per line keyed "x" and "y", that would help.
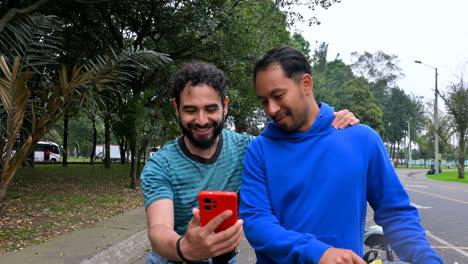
{"x": 212, "y": 203}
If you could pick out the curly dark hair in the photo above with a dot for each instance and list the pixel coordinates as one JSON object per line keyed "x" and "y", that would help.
{"x": 197, "y": 73}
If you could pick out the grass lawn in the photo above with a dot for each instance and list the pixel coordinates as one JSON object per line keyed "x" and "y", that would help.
{"x": 412, "y": 167}
{"x": 50, "y": 200}
{"x": 449, "y": 176}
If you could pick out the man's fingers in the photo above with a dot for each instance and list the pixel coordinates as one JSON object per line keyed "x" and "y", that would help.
{"x": 357, "y": 259}
{"x": 339, "y": 115}
{"x": 346, "y": 120}
{"x": 343, "y": 119}
{"x": 205, "y": 243}
{"x": 230, "y": 238}
{"x": 340, "y": 256}
{"x": 215, "y": 222}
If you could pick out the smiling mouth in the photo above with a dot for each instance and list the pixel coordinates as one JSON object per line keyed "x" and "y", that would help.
{"x": 202, "y": 129}
{"x": 279, "y": 118}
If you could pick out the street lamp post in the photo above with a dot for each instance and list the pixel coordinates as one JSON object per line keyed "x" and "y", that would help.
{"x": 409, "y": 145}
{"x": 436, "y": 122}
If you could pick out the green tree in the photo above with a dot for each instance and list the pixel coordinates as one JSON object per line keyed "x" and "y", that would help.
{"x": 301, "y": 44}
{"x": 456, "y": 102}
{"x": 395, "y": 116}
{"x": 425, "y": 145}
{"x": 81, "y": 132}
{"x": 330, "y": 83}
{"x": 380, "y": 70}
{"x": 319, "y": 60}
{"x": 425, "y": 138}
{"x": 28, "y": 44}
{"x": 377, "y": 66}
{"x": 363, "y": 105}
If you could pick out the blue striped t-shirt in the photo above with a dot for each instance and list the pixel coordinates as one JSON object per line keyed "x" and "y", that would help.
{"x": 176, "y": 174}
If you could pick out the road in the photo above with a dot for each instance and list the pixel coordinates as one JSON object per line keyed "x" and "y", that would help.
{"x": 443, "y": 207}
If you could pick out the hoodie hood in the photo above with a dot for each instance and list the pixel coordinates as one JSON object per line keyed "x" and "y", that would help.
{"x": 321, "y": 125}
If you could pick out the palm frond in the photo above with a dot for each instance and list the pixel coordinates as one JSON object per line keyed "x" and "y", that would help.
{"x": 14, "y": 95}
{"x": 125, "y": 66}
{"x": 33, "y": 38}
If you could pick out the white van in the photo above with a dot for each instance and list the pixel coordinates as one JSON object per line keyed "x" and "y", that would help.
{"x": 46, "y": 152}
{"x": 114, "y": 152}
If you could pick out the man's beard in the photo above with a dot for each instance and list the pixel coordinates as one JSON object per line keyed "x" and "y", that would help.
{"x": 202, "y": 143}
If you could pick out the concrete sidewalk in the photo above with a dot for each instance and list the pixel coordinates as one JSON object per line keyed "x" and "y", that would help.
{"x": 119, "y": 239}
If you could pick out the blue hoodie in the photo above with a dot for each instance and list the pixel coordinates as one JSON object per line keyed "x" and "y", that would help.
{"x": 304, "y": 192}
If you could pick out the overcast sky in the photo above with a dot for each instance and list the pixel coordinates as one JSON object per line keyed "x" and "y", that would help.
{"x": 435, "y": 32}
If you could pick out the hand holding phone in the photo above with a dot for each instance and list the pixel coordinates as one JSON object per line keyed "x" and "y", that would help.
{"x": 212, "y": 203}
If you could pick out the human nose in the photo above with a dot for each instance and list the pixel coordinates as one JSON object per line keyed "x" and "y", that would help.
{"x": 202, "y": 118}
{"x": 271, "y": 108}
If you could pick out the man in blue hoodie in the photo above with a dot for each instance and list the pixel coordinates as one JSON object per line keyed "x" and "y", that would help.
{"x": 306, "y": 185}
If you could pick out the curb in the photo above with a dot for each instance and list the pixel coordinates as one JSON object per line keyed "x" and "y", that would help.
{"x": 122, "y": 252}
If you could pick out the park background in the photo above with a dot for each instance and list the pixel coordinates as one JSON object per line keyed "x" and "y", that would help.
{"x": 83, "y": 73}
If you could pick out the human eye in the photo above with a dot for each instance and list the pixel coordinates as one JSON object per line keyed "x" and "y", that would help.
{"x": 189, "y": 110}
{"x": 279, "y": 96}
{"x": 212, "y": 109}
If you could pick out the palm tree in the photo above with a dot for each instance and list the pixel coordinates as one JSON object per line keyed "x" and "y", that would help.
{"x": 30, "y": 48}
{"x": 456, "y": 101}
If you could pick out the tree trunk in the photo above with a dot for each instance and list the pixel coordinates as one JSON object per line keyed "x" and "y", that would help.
{"x": 3, "y": 204}
{"x": 398, "y": 154}
{"x": 142, "y": 151}
{"x": 65, "y": 139}
{"x": 122, "y": 148}
{"x": 390, "y": 152}
{"x": 134, "y": 155}
{"x": 461, "y": 157}
{"x": 133, "y": 169}
{"x": 93, "y": 151}
{"x": 107, "y": 133}
{"x": 28, "y": 162}
{"x": 138, "y": 168}
{"x": 123, "y": 159}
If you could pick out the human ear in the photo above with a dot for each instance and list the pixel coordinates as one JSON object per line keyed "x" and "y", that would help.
{"x": 226, "y": 102}
{"x": 174, "y": 102}
{"x": 307, "y": 84}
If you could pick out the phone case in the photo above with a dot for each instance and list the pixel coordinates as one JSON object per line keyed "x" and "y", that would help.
{"x": 212, "y": 203}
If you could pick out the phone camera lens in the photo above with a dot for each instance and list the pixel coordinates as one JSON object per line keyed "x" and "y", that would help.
{"x": 207, "y": 200}
{"x": 207, "y": 207}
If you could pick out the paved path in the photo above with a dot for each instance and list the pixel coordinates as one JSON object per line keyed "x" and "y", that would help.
{"x": 114, "y": 240}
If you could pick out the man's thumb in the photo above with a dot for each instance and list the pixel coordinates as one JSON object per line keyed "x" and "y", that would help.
{"x": 196, "y": 217}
